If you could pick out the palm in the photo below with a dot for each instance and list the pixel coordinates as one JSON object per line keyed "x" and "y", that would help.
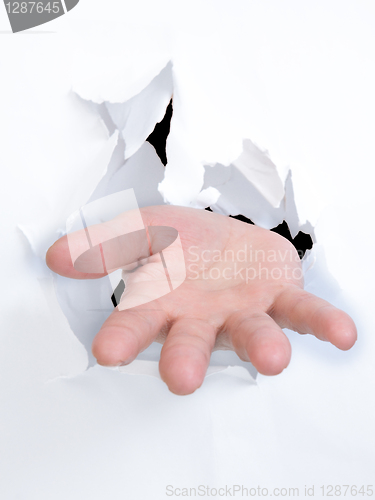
{"x": 243, "y": 284}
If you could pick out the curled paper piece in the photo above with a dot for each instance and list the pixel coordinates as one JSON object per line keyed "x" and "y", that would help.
{"x": 256, "y": 166}
{"x": 127, "y": 116}
{"x": 108, "y": 234}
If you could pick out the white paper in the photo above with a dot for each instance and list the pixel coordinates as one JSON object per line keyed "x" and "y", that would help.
{"x": 295, "y": 78}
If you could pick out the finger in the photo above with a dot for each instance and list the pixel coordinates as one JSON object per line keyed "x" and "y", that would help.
{"x": 86, "y": 242}
{"x": 303, "y": 312}
{"x": 74, "y": 256}
{"x": 257, "y": 338}
{"x": 100, "y": 249}
{"x": 59, "y": 260}
{"x": 127, "y": 333}
{"x": 185, "y": 355}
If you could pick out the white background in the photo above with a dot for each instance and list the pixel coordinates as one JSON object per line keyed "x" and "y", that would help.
{"x": 297, "y": 78}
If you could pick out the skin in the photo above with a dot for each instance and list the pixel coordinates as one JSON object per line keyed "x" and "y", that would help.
{"x": 214, "y": 308}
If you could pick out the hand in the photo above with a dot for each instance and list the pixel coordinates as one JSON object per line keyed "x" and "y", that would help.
{"x": 243, "y": 285}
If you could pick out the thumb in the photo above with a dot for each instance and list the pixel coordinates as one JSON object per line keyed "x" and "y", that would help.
{"x": 95, "y": 251}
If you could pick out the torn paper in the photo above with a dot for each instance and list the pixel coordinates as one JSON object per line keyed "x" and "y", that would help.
{"x": 251, "y": 186}
{"x": 296, "y": 78}
{"x": 136, "y": 118}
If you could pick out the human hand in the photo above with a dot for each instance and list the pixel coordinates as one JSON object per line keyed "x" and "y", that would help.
{"x": 243, "y": 285}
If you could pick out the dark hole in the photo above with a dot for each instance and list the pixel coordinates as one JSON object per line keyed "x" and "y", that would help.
{"x": 301, "y": 242}
{"x": 116, "y": 296}
{"x": 242, "y": 218}
{"x": 158, "y": 138}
